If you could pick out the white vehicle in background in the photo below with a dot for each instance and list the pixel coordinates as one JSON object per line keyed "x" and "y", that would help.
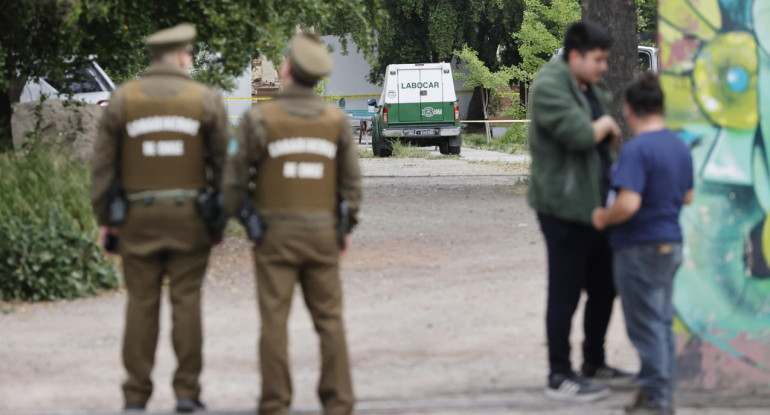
{"x": 648, "y": 58}
{"x": 90, "y": 84}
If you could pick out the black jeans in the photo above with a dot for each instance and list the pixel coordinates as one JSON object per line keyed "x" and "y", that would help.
{"x": 579, "y": 257}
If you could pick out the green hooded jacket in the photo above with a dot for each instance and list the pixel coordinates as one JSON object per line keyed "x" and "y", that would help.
{"x": 565, "y": 163}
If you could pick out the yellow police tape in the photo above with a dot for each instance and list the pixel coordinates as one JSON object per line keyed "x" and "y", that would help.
{"x": 467, "y": 91}
{"x": 461, "y": 121}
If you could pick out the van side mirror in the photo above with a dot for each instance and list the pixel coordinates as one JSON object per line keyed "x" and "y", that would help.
{"x": 372, "y": 102}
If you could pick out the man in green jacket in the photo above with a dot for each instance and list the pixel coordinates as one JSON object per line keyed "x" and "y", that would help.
{"x": 570, "y": 139}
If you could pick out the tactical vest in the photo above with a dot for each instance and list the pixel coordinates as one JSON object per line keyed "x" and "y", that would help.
{"x": 298, "y": 169}
{"x": 162, "y": 145}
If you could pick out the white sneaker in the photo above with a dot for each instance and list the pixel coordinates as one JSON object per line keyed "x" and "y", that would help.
{"x": 573, "y": 388}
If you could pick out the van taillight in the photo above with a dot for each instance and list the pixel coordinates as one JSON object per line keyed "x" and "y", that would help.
{"x": 457, "y": 113}
{"x": 385, "y": 115}
{"x": 103, "y": 103}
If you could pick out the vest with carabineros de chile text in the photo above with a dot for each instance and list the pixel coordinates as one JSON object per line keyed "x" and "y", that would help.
{"x": 162, "y": 146}
{"x": 298, "y": 169}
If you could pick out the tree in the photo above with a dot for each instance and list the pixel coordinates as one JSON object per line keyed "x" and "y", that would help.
{"x": 620, "y": 18}
{"x": 416, "y": 31}
{"x": 542, "y": 32}
{"x": 54, "y": 38}
{"x": 480, "y": 76}
{"x": 647, "y": 17}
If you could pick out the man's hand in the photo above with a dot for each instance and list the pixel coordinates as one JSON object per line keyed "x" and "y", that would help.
{"x": 345, "y": 250}
{"x": 606, "y": 126}
{"x": 597, "y": 218}
{"x": 103, "y": 232}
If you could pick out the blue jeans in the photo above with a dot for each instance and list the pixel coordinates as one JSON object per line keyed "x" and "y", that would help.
{"x": 644, "y": 276}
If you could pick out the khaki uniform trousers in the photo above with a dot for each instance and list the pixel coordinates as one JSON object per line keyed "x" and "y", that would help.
{"x": 287, "y": 256}
{"x": 156, "y": 241}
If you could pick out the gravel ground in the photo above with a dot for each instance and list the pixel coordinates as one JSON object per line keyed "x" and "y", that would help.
{"x": 444, "y": 305}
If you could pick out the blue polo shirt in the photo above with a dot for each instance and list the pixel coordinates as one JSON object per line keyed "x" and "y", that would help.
{"x": 658, "y": 166}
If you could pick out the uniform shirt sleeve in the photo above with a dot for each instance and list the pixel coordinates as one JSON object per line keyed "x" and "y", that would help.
{"x": 104, "y": 163}
{"x": 243, "y": 152}
{"x": 556, "y": 112}
{"x": 348, "y": 171}
{"x": 630, "y": 172}
{"x": 216, "y": 133}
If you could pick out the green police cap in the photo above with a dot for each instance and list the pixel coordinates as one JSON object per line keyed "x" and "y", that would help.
{"x": 174, "y": 38}
{"x": 309, "y": 58}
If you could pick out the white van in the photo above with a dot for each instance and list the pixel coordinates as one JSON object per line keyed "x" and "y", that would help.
{"x": 418, "y": 105}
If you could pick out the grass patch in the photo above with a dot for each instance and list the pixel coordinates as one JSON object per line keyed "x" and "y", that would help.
{"x": 402, "y": 150}
{"x": 405, "y": 150}
{"x": 48, "y": 244}
{"x": 235, "y": 229}
{"x": 514, "y": 141}
{"x": 365, "y": 153}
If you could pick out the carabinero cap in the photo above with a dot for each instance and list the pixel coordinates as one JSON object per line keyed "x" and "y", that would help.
{"x": 309, "y": 58}
{"x": 174, "y": 38}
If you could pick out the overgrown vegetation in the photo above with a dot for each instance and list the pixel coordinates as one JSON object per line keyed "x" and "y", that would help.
{"x": 47, "y": 229}
{"x": 514, "y": 141}
{"x": 403, "y": 150}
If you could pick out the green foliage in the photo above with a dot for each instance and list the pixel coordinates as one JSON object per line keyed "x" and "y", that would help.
{"x": 542, "y": 32}
{"x": 479, "y": 75}
{"x": 47, "y": 228}
{"x": 404, "y": 150}
{"x": 320, "y": 89}
{"x": 514, "y": 141}
{"x": 417, "y": 31}
{"x": 55, "y": 38}
{"x": 647, "y": 18}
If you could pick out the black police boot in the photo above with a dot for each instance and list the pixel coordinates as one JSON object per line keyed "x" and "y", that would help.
{"x": 133, "y": 407}
{"x": 188, "y": 405}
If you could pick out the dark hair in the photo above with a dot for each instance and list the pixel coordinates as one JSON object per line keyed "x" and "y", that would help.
{"x": 298, "y": 79}
{"x": 586, "y": 36}
{"x": 644, "y": 95}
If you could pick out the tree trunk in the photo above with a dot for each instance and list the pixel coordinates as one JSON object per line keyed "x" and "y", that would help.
{"x": 7, "y": 98}
{"x": 619, "y": 17}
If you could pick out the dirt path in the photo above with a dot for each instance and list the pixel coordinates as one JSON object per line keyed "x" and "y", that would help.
{"x": 444, "y": 291}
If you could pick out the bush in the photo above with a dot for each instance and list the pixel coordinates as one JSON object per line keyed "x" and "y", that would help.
{"x": 514, "y": 141}
{"x": 47, "y": 228}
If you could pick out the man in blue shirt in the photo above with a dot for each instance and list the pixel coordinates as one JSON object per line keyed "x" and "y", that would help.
{"x": 651, "y": 181}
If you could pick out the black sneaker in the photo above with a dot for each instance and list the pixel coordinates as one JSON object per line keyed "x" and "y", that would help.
{"x": 573, "y": 388}
{"x": 644, "y": 405}
{"x": 188, "y": 405}
{"x": 609, "y": 376}
{"x": 133, "y": 407}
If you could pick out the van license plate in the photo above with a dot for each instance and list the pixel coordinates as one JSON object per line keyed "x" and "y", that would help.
{"x": 423, "y": 132}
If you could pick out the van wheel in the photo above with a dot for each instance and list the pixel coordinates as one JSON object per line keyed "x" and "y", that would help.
{"x": 382, "y": 148}
{"x": 443, "y": 147}
{"x": 454, "y": 150}
{"x": 375, "y": 145}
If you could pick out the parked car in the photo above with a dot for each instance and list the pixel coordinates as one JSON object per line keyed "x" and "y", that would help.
{"x": 418, "y": 105}
{"x": 648, "y": 58}
{"x": 90, "y": 84}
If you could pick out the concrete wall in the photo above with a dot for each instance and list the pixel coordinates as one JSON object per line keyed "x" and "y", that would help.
{"x": 721, "y": 108}
{"x": 238, "y": 101}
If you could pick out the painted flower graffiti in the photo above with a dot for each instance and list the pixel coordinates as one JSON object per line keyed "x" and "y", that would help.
{"x": 715, "y": 70}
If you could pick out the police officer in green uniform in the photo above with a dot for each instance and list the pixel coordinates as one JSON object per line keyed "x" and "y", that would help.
{"x": 298, "y": 156}
{"x": 161, "y": 142}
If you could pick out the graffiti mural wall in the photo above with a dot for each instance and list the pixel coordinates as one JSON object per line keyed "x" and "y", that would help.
{"x": 715, "y": 69}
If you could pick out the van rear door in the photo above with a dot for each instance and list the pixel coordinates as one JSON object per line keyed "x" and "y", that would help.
{"x": 408, "y": 95}
{"x": 431, "y": 95}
